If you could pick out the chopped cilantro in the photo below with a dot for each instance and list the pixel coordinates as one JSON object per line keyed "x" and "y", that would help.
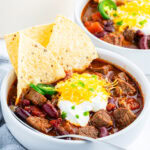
{"x": 73, "y": 107}
{"x": 115, "y": 15}
{"x": 73, "y": 85}
{"x": 134, "y": 14}
{"x": 94, "y": 76}
{"x": 91, "y": 89}
{"x": 142, "y": 22}
{"x": 77, "y": 116}
{"x": 81, "y": 84}
{"x": 63, "y": 115}
{"x": 119, "y": 23}
{"x": 86, "y": 113}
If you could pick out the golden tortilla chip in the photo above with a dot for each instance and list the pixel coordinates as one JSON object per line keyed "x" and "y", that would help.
{"x": 41, "y": 34}
{"x": 70, "y": 45}
{"x": 36, "y": 65}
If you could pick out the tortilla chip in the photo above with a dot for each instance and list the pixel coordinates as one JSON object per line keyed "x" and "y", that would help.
{"x": 70, "y": 45}
{"x": 41, "y": 34}
{"x": 36, "y": 65}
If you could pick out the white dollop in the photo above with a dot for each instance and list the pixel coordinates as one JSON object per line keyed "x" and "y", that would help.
{"x": 146, "y": 28}
{"x": 76, "y": 116}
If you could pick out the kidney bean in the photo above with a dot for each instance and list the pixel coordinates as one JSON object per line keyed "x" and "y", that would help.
{"x": 50, "y": 110}
{"x": 100, "y": 34}
{"x": 139, "y": 33}
{"x": 143, "y": 42}
{"x": 25, "y": 102}
{"x": 103, "y": 132}
{"x": 108, "y": 22}
{"x": 35, "y": 111}
{"x": 23, "y": 114}
{"x": 109, "y": 28}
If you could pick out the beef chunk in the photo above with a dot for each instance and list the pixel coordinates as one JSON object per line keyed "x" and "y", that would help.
{"x": 123, "y": 76}
{"x": 125, "y": 88}
{"x": 39, "y": 123}
{"x": 123, "y": 117}
{"x": 35, "y": 97}
{"x": 129, "y": 35}
{"x": 103, "y": 70}
{"x": 89, "y": 131}
{"x": 113, "y": 38}
{"x": 101, "y": 118}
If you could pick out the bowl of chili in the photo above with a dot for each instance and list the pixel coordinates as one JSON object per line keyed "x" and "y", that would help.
{"x": 29, "y": 137}
{"x": 98, "y": 24}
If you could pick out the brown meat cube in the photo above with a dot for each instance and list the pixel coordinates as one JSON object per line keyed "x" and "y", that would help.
{"x": 124, "y": 117}
{"x": 39, "y": 123}
{"x": 35, "y": 97}
{"x": 129, "y": 35}
{"x": 101, "y": 119}
{"x": 103, "y": 70}
{"x": 89, "y": 131}
{"x": 125, "y": 88}
{"x": 123, "y": 76}
{"x": 114, "y": 38}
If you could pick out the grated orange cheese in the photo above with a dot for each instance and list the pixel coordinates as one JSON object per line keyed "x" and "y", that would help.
{"x": 131, "y": 14}
{"x": 82, "y": 87}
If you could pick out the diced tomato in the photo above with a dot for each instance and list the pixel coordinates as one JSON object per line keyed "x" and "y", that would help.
{"x": 35, "y": 111}
{"x": 56, "y": 123}
{"x": 96, "y": 16}
{"x": 94, "y": 27}
{"x": 132, "y": 103}
{"x": 110, "y": 107}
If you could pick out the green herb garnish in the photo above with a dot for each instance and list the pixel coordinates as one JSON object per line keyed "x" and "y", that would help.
{"x": 94, "y": 76}
{"x": 73, "y": 85}
{"x": 115, "y": 15}
{"x": 119, "y": 23}
{"x": 91, "y": 89}
{"x": 73, "y": 107}
{"x": 80, "y": 83}
{"x": 134, "y": 14}
{"x": 63, "y": 115}
{"x": 77, "y": 116}
{"x": 86, "y": 113}
{"x": 142, "y": 22}
{"x": 36, "y": 89}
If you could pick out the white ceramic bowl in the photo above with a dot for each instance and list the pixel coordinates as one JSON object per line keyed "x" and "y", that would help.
{"x": 140, "y": 57}
{"x": 36, "y": 141}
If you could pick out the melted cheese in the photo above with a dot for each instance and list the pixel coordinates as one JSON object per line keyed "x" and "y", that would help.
{"x": 134, "y": 14}
{"x": 81, "y": 88}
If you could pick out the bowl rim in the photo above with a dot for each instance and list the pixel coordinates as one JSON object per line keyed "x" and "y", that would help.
{"x": 5, "y": 89}
{"x": 80, "y": 4}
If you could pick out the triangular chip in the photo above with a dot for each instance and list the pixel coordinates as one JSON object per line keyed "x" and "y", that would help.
{"x": 36, "y": 65}
{"x": 41, "y": 34}
{"x": 70, "y": 45}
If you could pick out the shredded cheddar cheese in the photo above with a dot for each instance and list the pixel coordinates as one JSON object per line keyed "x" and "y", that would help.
{"x": 82, "y": 87}
{"x": 133, "y": 14}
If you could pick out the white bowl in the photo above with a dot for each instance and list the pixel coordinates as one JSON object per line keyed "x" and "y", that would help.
{"x": 140, "y": 57}
{"x": 36, "y": 140}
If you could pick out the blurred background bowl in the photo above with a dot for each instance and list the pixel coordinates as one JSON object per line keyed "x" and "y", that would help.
{"x": 140, "y": 57}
